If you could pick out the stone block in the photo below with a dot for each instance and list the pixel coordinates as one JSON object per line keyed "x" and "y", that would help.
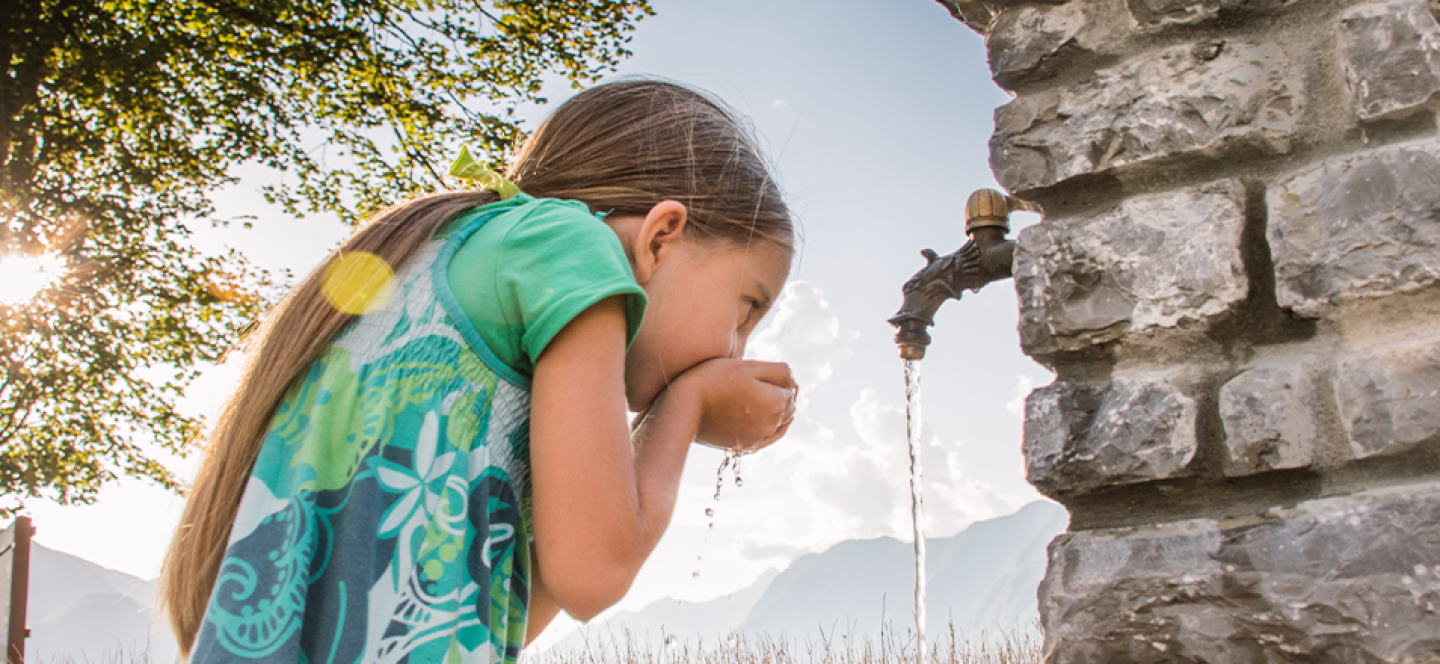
{"x": 1156, "y": 13}
{"x": 1356, "y": 227}
{"x": 1138, "y": 429}
{"x": 1390, "y": 399}
{"x": 1269, "y": 415}
{"x": 1391, "y": 56}
{"x": 1338, "y": 580}
{"x": 1188, "y": 101}
{"x": 1027, "y": 42}
{"x": 1150, "y": 263}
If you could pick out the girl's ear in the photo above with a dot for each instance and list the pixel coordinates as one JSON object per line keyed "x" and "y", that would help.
{"x": 660, "y": 233}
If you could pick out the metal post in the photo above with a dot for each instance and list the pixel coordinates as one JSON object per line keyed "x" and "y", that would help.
{"x": 15, "y": 586}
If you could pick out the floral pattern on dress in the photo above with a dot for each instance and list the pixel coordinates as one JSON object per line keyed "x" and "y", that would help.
{"x": 386, "y": 517}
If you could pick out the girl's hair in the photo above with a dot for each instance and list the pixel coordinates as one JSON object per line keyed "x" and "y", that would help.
{"x": 621, "y": 148}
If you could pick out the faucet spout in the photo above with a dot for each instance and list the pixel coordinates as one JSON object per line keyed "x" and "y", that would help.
{"x": 985, "y": 258}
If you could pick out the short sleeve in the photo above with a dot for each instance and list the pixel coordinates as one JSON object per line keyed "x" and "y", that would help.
{"x": 528, "y": 272}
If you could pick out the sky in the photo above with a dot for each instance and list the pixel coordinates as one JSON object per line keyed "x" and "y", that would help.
{"x": 877, "y": 116}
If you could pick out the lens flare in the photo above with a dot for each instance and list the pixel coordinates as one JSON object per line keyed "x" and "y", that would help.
{"x": 22, "y": 277}
{"x": 358, "y": 283}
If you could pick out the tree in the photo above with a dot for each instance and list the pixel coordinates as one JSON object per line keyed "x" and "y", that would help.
{"x": 119, "y": 117}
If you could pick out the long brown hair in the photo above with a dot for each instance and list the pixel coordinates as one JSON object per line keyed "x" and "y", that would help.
{"x": 620, "y": 147}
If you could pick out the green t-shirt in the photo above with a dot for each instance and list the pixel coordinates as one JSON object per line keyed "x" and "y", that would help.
{"x": 528, "y": 272}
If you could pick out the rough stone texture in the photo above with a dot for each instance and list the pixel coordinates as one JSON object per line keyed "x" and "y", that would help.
{"x": 1390, "y": 399}
{"x": 1154, "y": 13}
{"x": 1391, "y": 56}
{"x": 1344, "y": 580}
{"x": 1357, "y": 227}
{"x": 1139, "y": 428}
{"x": 1027, "y": 42}
{"x": 1150, "y": 263}
{"x": 1269, "y": 417}
{"x": 1134, "y": 125}
{"x": 1185, "y": 101}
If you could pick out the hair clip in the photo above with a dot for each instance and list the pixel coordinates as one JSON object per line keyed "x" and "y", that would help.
{"x": 466, "y": 168}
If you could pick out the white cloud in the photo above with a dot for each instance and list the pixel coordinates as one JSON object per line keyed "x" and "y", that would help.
{"x": 804, "y": 332}
{"x": 1023, "y": 386}
{"x": 952, "y": 499}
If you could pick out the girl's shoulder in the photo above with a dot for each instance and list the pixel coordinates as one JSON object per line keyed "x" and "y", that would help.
{"x": 517, "y": 277}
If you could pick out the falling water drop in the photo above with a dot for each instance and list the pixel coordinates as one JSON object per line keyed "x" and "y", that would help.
{"x": 695, "y": 575}
{"x": 736, "y": 470}
{"x": 720, "y": 473}
{"x": 709, "y": 511}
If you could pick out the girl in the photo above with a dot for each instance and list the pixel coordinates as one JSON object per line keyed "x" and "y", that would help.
{"x": 432, "y": 476}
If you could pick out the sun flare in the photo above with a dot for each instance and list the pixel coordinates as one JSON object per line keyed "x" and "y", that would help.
{"x": 21, "y": 277}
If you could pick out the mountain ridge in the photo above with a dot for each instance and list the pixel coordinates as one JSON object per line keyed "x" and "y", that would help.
{"x": 982, "y": 579}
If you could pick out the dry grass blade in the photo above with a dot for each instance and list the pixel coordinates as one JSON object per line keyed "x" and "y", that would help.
{"x": 1018, "y": 646}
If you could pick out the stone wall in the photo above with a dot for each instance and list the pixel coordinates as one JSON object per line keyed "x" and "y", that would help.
{"x": 1237, "y": 283}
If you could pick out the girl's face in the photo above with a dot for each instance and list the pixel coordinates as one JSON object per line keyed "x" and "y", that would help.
{"x": 705, "y": 301}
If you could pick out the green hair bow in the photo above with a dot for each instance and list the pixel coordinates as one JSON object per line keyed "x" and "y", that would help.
{"x": 466, "y": 168}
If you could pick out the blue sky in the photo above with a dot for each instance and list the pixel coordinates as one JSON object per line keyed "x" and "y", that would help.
{"x": 877, "y": 116}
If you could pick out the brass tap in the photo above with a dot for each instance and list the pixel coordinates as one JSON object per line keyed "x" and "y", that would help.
{"x": 986, "y": 257}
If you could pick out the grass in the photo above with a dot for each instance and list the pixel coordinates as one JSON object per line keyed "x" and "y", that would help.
{"x": 1018, "y": 646}
{"x": 120, "y": 655}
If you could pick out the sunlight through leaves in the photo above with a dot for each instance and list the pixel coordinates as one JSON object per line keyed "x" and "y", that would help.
{"x": 22, "y": 277}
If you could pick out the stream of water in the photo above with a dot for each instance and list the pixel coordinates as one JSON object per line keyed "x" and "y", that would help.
{"x": 917, "y": 503}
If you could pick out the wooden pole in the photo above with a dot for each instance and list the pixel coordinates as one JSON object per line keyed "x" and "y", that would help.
{"x": 15, "y": 544}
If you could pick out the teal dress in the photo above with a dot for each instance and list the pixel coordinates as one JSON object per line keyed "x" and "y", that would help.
{"x": 387, "y": 518}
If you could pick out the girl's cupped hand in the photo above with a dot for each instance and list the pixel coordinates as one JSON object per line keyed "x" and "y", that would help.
{"x": 745, "y": 405}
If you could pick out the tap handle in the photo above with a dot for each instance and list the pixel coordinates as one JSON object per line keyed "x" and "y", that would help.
{"x": 987, "y": 208}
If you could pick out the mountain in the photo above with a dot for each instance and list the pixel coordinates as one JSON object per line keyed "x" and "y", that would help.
{"x": 79, "y": 611}
{"x": 984, "y": 578}
{"x": 671, "y": 616}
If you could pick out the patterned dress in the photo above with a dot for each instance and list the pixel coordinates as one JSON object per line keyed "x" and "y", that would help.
{"x": 387, "y": 518}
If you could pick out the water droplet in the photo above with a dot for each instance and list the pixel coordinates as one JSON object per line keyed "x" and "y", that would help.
{"x": 709, "y": 511}
{"x": 696, "y": 575}
{"x": 739, "y": 482}
{"x": 720, "y": 473}
{"x": 712, "y": 525}
{"x": 747, "y": 410}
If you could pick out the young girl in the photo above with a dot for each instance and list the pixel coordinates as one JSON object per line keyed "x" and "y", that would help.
{"x": 432, "y": 476}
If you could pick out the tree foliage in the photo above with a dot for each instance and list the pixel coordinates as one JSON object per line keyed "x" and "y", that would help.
{"x": 118, "y": 118}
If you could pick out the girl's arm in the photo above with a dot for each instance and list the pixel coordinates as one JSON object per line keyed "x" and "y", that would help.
{"x": 600, "y": 504}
